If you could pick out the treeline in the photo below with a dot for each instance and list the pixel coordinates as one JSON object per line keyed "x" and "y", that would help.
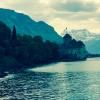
{"x": 18, "y": 52}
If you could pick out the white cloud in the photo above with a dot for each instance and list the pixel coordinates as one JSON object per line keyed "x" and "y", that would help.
{"x": 85, "y": 14}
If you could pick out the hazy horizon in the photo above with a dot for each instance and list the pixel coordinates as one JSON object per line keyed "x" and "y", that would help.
{"x": 74, "y": 14}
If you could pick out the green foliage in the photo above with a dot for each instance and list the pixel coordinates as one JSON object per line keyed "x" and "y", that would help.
{"x": 24, "y": 50}
{"x": 8, "y": 63}
{"x": 72, "y": 43}
{"x": 80, "y": 44}
{"x": 17, "y": 52}
{"x": 14, "y": 37}
{"x": 52, "y": 50}
{"x": 2, "y": 51}
{"x": 14, "y": 41}
{"x": 67, "y": 37}
{"x": 4, "y": 33}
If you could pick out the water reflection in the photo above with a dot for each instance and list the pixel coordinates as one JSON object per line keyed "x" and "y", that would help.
{"x": 29, "y": 85}
{"x": 91, "y": 65}
{"x": 52, "y": 86}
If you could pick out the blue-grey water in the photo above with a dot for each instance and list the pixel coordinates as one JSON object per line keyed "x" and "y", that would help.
{"x": 60, "y": 81}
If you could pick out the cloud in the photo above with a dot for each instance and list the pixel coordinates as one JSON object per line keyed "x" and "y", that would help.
{"x": 76, "y": 6}
{"x": 35, "y": 8}
{"x": 26, "y": 5}
{"x": 74, "y": 13}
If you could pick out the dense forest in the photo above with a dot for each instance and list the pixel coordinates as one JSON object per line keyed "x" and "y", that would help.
{"x": 22, "y": 51}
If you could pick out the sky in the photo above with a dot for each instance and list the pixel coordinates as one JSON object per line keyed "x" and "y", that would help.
{"x": 74, "y": 14}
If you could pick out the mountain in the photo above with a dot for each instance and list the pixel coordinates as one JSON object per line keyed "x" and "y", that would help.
{"x": 91, "y": 40}
{"x": 25, "y": 25}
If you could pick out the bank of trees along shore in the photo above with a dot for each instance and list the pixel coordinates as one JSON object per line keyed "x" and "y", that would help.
{"x": 18, "y": 52}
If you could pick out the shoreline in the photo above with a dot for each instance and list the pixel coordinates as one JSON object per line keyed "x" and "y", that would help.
{"x": 5, "y": 73}
{"x": 93, "y": 55}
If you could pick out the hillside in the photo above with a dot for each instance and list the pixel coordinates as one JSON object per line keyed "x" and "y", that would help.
{"x": 18, "y": 52}
{"x": 25, "y": 25}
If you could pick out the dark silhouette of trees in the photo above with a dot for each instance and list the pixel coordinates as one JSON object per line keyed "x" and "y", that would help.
{"x": 18, "y": 52}
{"x": 72, "y": 43}
{"x": 80, "y": 44}
{"x": 14, "y": 37}
{"x": 67, "y": 39}
{"x": 52, "y": 50}
{"x": 4, "y": 34}
{"x": 72, "y": 49}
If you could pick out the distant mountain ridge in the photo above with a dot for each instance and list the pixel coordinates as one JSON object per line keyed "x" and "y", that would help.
{"x": 84, "y": 35}
{"x": 91, "y": 40}
{"x": 25, "y": 25}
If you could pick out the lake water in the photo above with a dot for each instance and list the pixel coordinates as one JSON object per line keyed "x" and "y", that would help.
{"x": 60, "y": 81}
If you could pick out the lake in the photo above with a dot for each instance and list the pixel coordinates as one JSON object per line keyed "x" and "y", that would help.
{"x": 60, "y": 81}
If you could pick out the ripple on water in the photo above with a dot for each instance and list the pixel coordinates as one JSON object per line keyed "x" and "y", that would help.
{"x": 51, "y": 86}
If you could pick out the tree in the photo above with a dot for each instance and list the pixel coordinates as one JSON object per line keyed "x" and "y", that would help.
{"x": 14, "y": 37}
{"x": 67, "y": 39}
{"x": 38, "y": 39}
{"x": 37, "y": 50}
{"x": 51, "y": 50}
{"x": 5, "y": 33}
{"x": 73, "y": 44}
{"x": 80, "y": 44}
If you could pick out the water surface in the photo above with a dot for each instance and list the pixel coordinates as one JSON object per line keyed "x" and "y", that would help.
{"x": 90, "y": 65}
{"x": 55, "y": 82}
